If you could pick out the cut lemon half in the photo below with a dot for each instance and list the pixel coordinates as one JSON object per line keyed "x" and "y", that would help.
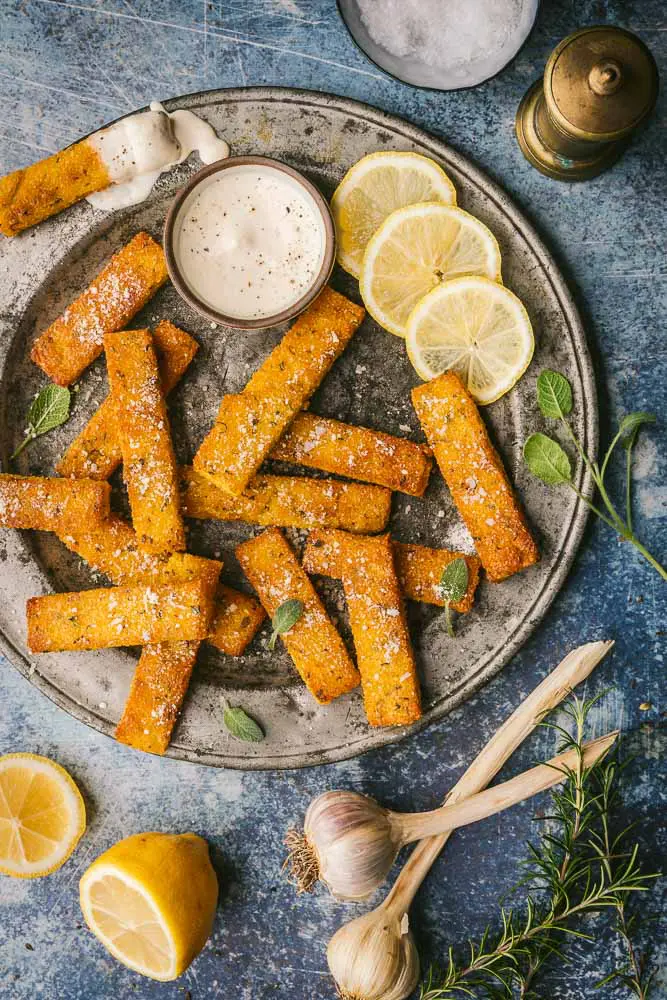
{"x": 476, "y": 328}
{"x": 42, "y": 815}
{"x": 417, "y": 248}
{"x": 374, "y": 188}
{"x": 150, "y": 899}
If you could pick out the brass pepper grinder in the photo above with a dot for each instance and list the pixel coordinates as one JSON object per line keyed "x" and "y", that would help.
{"x": 598, "y": 85}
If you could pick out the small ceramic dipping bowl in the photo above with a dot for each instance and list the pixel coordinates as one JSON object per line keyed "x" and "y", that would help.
{"x": 249, "y": 242}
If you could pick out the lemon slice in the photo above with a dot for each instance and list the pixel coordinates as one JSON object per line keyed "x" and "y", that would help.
{"x": 374, "y": 188}
{"x": 476, "y": 327}
{"x": 150, "y": 899}
{"x": 417, "y": 248}
{"x": 42, "y": 815}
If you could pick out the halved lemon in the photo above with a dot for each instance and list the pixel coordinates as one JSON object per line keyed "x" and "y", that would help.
{"x": 42, "y": 815}
{"x": 417, "y": 248}
{"x": 150, "y": 899}
{"x": 374, "y": 188}
{"x": 476, "y": 327}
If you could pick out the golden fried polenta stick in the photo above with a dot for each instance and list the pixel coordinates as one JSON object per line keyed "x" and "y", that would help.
{"x": 51, "y": 504}
{"x": 119, "y": 616}
{"x": 475, "y": 475}
{"x": 355, "y": 452}
{"x": 111, "y": 548}
{"x": 158, "y": 688}
{"x": 95, "y": 452}
{"x": 162, "y": 675}
{"x": 377, "y": 619}
{"x": 75, "y": 339}
{"x": 236, "y": 619}
{"x": 419, "y": 569}
{"x": 149, "y": 466}
{"x": 315, "y": 646}
{"x": 34, "y": 193}
{"x": 249, "y": 425}
{"x": 289, "y": 502}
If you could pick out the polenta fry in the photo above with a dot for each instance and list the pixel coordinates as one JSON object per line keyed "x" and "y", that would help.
{"x": 34, "y": 193}
{"x": 475, "y": 475}
{"x": 120, "y": 290}
{"x": 249, "y": 425}
{"x": 163, "y": 672}
{"x": 112, "y": 549}
{"x": 149, "y": 466}
{"x": 289, "y": 502}
{"x": 119, "y": 616}
{"x": 355, "y": 452}
{"x": 379, "y": 628}
{"x": 95, "y": 452}
{"x": 158, "y": 687}
{"x": 236, "y": 619}
{"x": 315, "y": 646}
{"x": 419, "y": 569}
{"x": 51, "y": 504}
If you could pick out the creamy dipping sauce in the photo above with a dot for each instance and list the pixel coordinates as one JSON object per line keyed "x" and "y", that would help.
{"x": 249, "y": 241}
{"x": 139, "y": 148}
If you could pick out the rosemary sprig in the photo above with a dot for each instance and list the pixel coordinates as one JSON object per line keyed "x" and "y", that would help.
{"x": 571, "y": 872}
{"x": 547, "y": 460}
{"x": 638, "y": 973}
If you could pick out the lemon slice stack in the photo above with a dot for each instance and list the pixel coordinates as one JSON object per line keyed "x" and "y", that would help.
{"x": 374, "y": 188}
{"x": 431, "y": 273}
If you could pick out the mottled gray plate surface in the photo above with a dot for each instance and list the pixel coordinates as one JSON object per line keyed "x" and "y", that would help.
{"x": 44, "y": 269}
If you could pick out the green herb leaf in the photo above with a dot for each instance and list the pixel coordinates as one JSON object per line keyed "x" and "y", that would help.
{"x": 631, "y": 424}
{"x": 47, "y": 411}
{"x": 554, "y": 394}
{"x": 546, "y": 459}
{"x": 453, "y": 587}
{"x": 241, "y": 726}
{"x": 454, "y": 580}
{"x": 286, "y": 616}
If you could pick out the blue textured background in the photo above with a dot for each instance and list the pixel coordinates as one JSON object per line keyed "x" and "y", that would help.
{"x": 66, "y": 68}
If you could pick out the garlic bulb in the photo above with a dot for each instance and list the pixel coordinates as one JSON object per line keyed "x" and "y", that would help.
{"x": 374, "y": 957}
{"x": 349, "y": 842}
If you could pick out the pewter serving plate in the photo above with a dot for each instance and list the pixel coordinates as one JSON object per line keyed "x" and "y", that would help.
{"x": 45, "y": 268}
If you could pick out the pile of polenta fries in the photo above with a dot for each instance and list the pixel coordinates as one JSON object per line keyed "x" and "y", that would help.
{"x": 169, "y": 601}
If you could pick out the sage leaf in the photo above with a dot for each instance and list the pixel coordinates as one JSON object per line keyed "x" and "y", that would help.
{"x": 631, "y": 424}
{"x": 453, "y": 587}
{"x": 547, "y": 460}
{"x": 48, "y": 410}
{"x": 241, "y": 726}
{"x": 554, "y": 394}
{"x": 454, "y": 581}
{"x": 286, "y": 616}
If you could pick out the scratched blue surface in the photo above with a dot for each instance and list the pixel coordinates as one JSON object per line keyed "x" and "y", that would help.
{"x": 66, "y": 68}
